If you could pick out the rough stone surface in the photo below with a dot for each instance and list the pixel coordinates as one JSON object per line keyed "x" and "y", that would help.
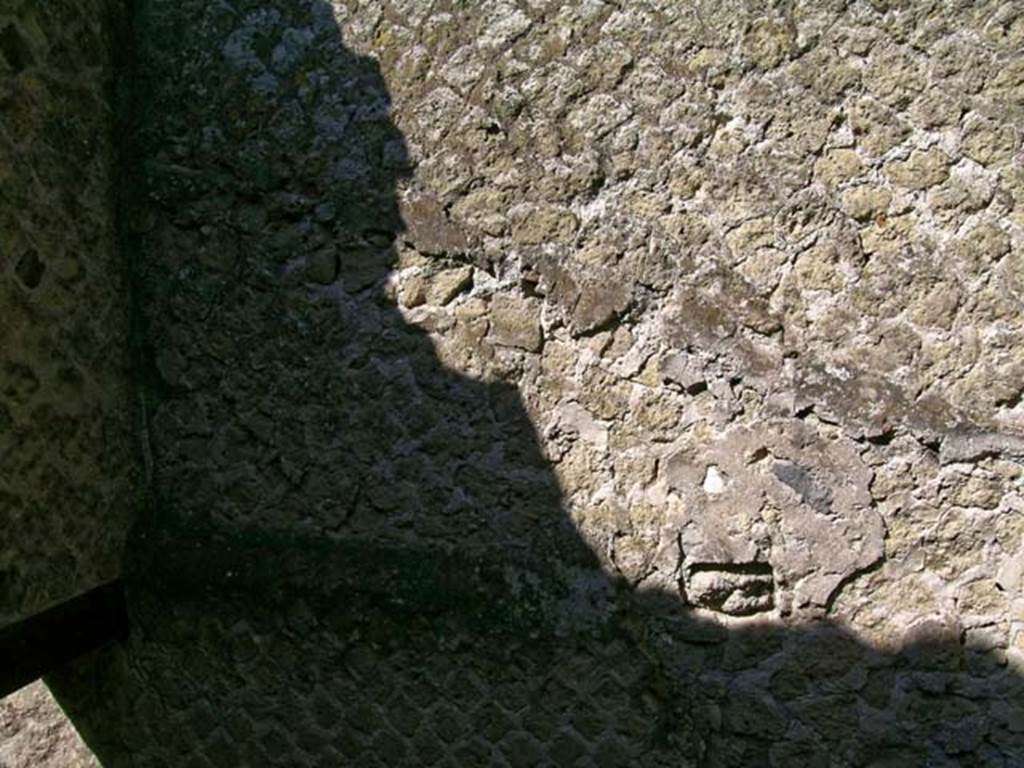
{"x": 664, "y": 408}
{"x": 34, "y": 733}
{"x": 67, "y": 443}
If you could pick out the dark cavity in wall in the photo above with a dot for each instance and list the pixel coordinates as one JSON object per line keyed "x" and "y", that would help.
{"x": 15, "y": 49}
{"x": 30, "y": 269}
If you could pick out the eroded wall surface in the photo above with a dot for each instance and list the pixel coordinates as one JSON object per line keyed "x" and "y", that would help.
{"x": 67, "y": 450}
{"x": 576, "y": 383}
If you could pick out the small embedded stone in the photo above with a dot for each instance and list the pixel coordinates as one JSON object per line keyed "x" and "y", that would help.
{"x": 865, "y": 203}
{"x": 751, "y": 235}
{"x": 877, "y": 128}
{"x": 990, "y": 144}
{"x": 548, "y": 224}
{"x": 325, "y": 212}
{"x": 817, "y": 268}
{"x": 428, "y": 228}
{"x": 838, "y": 166}
{"x": 921, "y": 170}
{"x": 981, "y": 246}
{"x": 683, "y": 371}
{"x": 768, "y": 42}
{"x": 515, "y": 322}
{"x": 412, "y": 292}
{"x": 322, "y": 267}
{"x": 599, "y": 305}
{"x": 447, "y": 284}
{"x": 733, "y": 592}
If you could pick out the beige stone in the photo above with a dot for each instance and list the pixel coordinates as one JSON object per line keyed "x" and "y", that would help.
{"x": 515, "y": 322}
{"x": 877, "y": 128}
{"x": 818, "y": 268}
{"x": 865, "y": 203}
{"x": 544, "y": 224}
{"x": 991, "y": 143}
{"x": 837, "y": 166}
{"x": 768, "y": 42}
{"x": 35, "y": 733}
{"x": 922, "y": 169}
{"x": 445, "y": 285}
{"x": 980, "y": 247}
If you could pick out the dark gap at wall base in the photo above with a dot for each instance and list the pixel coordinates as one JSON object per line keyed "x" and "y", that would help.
{"x": 39, "y": 644}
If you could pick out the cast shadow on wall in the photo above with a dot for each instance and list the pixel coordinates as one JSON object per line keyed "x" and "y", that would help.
{"x": 353, "y": 555}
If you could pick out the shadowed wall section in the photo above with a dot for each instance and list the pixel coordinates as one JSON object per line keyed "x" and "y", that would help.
{"x": 67, "y": 443}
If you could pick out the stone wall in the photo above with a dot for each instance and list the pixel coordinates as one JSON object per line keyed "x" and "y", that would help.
{"x": 67, "y": 447}
{"x": 575, "y": 383}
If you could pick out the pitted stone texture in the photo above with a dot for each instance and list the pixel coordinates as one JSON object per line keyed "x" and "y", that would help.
{"x": 66, "y": 432}
{"x": 724, "y": 299}
{"x": 34, "y": 733}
